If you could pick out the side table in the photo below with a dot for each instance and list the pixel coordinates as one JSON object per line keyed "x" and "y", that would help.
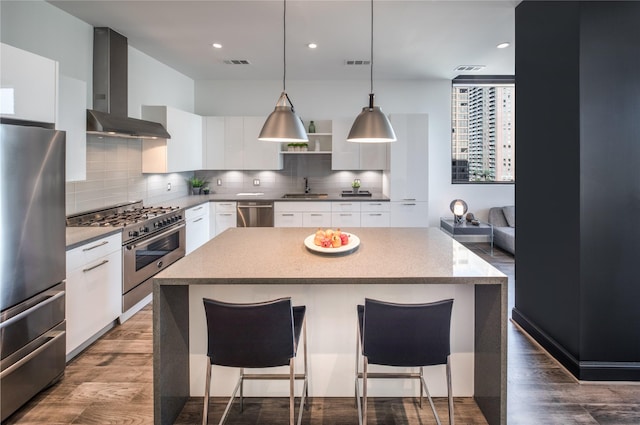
{"x": 465, "y": 228}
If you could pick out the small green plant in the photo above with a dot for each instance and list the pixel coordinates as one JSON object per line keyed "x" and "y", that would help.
{"x": 355, "y": 184}
{"x": 196, "y": 182}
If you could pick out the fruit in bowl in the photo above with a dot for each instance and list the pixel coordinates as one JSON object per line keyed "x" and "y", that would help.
{"x": 330, "y": 238}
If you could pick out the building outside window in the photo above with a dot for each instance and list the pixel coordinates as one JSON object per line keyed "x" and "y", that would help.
{"x": 483, "y": 130}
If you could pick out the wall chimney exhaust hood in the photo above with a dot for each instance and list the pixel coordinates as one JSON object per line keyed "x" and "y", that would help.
{"x": 109, "y": 116}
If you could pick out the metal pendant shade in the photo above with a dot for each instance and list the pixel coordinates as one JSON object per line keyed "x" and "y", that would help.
{"x": 371, "y": 126}
{"x": 283, "y": 125}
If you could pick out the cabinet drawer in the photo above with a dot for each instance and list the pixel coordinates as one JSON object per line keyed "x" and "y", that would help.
{"x": 94, "y": 297}
{"x": 287, "y": 219}
{"x": 316, "y": 219}
{"x": 225, "y": 206}
{"x": 375, "y": 206}
{"x": 197, "y": 211}
{"x": 345, "y": 206}
{"x": 374, "y": 219}
{"x": 82, "y": 255}
{"x": 345, "y": 219}
{"x": 302, "y": 206}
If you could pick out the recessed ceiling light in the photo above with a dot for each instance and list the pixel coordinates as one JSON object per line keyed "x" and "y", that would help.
{"x": 312, "y": 45}
{"x": 503, "y": 45}
{"x": 217, "y": 46}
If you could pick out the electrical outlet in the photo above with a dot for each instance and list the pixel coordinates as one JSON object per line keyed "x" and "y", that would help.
{"x": 168, "y": 187}
{"x": 219, "y": 182}
{"x": 256, "y": 182}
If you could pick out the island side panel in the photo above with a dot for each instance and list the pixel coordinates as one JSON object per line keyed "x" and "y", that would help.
{"x": 170, "y": 351}
{"x": 490, "y": 381}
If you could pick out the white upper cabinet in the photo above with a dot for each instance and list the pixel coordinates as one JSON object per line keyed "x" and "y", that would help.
{"x": 29, "y": 86}
{"x": 258, "y": 154}
{"x": 183, "y": 151}
{"x": 407, "y": 174}
{"x": 72, "y": 118}
{"x": 355, "y": 156}
{"x": 231, "y": 143}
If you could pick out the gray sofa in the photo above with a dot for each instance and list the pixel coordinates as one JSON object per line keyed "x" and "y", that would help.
{"x": 503, "y": 220}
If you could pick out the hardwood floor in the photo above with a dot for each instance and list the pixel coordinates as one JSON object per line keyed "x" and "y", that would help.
{"x": 111, "y": 383}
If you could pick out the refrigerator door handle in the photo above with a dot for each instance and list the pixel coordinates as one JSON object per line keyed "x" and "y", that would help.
{"x": 28, "y": 311}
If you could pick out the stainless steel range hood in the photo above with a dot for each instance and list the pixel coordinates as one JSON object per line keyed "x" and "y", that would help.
{"x": 109, "y": 116}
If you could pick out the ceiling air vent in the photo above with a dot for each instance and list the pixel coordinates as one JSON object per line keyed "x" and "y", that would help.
{"x": 237, "y": 62}
{"x": 357, "y": 62}
{"x": 469, "y": 67}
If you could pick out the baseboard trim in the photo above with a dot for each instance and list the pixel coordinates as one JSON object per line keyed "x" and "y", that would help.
{"x": 583, "y": 371}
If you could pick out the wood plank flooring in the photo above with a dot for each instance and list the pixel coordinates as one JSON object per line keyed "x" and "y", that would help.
{"x": 111, "y": 383}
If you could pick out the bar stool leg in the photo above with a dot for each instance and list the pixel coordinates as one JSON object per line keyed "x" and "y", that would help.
{"x": 421, "y": 389}
{"x": 449, "y": 391}
{"x": 365, "y": 363}
{"x": 241, "y": 389}
{"x": 291, "y": 388}
{"x": 207, "y": 385}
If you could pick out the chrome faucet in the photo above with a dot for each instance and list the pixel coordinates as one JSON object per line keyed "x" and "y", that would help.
{"x": 307, "y": 189}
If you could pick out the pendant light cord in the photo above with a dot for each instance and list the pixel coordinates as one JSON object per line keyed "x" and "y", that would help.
{"x": 284, "y": 48}
{"x": 371, "y": 53}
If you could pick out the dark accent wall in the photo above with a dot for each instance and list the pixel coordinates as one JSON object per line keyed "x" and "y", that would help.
{"x": 578, "y": 183}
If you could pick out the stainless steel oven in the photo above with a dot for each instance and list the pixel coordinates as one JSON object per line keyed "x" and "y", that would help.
{"x": 143, "y": 258}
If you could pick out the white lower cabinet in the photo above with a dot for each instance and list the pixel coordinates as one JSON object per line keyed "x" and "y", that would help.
{"x": 94, "y": 291}
{"x": 223, "y": 216}
{"x": 302, "y": 214}
{"x": 197, "y": 220}
{"x": 375, "y": 214}
{"x": 409, "y": 214}
{"x": 345, "y": 214}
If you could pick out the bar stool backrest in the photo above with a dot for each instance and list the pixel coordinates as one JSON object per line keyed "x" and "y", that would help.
{"x": 406, "y": 334}
{"x": 250, "y": 335}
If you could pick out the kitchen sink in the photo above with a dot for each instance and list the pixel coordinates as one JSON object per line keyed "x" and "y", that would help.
{"x": 305, "y": 195}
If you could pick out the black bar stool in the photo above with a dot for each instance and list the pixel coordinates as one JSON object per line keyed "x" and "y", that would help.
{"x": 403, "y": 335}
{"x": 256, "y": 335}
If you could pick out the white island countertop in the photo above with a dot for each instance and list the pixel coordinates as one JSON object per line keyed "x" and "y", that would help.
{"x": 395, "y": 264}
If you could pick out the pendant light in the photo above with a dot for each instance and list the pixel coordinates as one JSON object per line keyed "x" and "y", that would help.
{"x": 371, "y": 126}
{"x": 283, "y": 125}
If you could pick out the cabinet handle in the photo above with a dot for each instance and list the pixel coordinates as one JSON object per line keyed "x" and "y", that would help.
{"x": 196, "y": 209}
{"x": 346, "y": 215}
{"x": 225, "y": 214}
{"x": 378, "y": 203}
{"x": 195, "y": 221}
{"x": 375, "y": 215}
{"x": 95, "y": 246}
{"x": 346, "y": 204}
{"x": 88, "y": 269}
{"x": 287, "y": 215}
{"x": 225, "y": 205}
{"x": 409, "y": 205}
{"x": 409, "y": 199}
{"x": 316, "y": 215}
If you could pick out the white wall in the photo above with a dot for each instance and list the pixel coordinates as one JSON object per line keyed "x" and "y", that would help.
{"x": 333, "y": 99}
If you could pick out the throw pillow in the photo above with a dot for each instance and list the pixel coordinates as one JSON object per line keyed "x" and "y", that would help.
{"x": 510, "y": 214}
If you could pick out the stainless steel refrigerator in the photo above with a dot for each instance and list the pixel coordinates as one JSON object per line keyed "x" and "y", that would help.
{"x": 32, "y": 260}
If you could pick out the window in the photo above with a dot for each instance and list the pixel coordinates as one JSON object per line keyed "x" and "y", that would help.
{"x": 483, "y": 143}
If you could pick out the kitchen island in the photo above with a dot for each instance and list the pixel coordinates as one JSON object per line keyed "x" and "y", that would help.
{"x": 393, "y": 264}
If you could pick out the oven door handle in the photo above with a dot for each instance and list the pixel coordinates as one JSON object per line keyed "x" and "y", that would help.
{"x": 156, "y": 237}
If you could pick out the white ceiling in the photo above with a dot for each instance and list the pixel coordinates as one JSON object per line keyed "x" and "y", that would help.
{"x": 419, "y": 39}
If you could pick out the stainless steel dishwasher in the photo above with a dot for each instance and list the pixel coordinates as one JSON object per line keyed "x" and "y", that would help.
{"x": 255, "y": 214}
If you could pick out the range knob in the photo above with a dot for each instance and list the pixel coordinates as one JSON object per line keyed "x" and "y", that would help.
{"x": 133, "y": 233}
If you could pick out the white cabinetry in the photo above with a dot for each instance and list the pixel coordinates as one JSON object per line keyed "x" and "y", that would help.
{"x": 375, "y": 214}
{"x": 345, "y": 214}
{"x": 355, "y": 156}
{"x": 407, "y": 179}
{"x": 94, "y": 291}
{"x": 302, "y": 214}
{"x": 72, "y": 118}
{"x": 197, "y": 220}
{"x": 29, "y": 85}
{"x": 223, "y": 217}
{"x": 231, "y": 143}
{"x": 183, "y": 151}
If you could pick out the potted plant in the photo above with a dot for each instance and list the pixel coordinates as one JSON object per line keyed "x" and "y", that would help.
{"x": 355, "y": 185}
{"x": 196, "y": 185}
